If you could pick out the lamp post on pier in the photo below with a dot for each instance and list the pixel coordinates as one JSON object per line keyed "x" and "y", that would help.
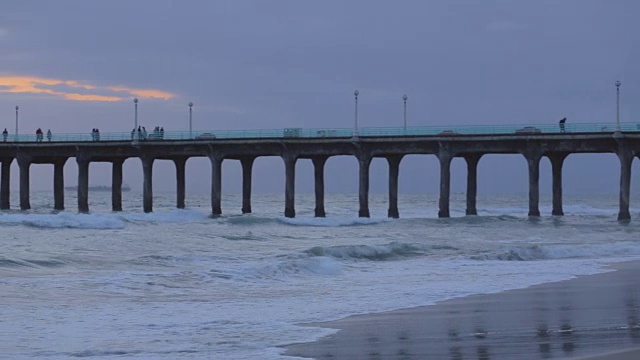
{"x": 135, "y": 116}
{"x": 618, "y": 83}
{"x": 190, "y": 119}
{"x": 17, "y": 108}
{"x": 355, "y": 128}
{"x": 404, "y": 99}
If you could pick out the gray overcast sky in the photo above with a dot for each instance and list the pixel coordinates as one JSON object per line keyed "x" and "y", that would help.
{"x": 75, "y": 65}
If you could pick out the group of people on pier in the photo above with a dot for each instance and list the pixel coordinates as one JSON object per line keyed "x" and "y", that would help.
{"x": 95, "y": 134}
{"x": 39, "y": 135}
{"x": 141, "y": 133}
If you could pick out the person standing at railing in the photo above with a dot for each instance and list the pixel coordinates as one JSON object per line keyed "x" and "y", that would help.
{"x": 49, "y": 135}
{"x": 561, "y": 123}
{"x": 162, "y": 132}
{"x": 39, "y": 135}
{"x": 5, "y": 134}
{"x": 133, "y": 133}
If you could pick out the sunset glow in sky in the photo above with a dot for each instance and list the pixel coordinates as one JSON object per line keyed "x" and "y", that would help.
{"x": 75, "y": 90}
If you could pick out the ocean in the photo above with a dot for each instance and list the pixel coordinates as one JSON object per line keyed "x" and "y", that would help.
{"x": 178, "y": 284}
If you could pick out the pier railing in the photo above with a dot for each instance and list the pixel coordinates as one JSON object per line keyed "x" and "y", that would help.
{"x": 521, "y": 129}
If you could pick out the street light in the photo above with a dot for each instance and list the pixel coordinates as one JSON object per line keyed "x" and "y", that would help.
{"x": 135, "y": 121}
{"x": 355, "y": 129}
{"x": 618, "y": 83}
{"x": 404, "y": 98}
{"x": 190, "y": 118}
{"x": 17, "y": 108}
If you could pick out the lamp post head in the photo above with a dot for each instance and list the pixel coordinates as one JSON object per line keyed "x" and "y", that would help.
{"x": 618, "y": 83}
{"x": 17, "y": 107}
{"x": 356, "y": 93}
{"x": 135, "y": 100}
{"x": 190, "y": 104}
{"x": 405, "y": 97}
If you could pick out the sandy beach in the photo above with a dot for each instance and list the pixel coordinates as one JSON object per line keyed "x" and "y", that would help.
{"x": 590, "y": 317}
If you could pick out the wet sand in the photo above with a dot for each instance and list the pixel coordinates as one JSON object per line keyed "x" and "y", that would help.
{"x": 578, "y": 318}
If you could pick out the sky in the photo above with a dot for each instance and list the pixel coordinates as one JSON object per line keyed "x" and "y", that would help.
{"x": 251, "y": 64}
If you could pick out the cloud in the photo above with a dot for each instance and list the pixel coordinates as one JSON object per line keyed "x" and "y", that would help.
{"x": 76, "y": 90}
{"x": 505, "y": 26}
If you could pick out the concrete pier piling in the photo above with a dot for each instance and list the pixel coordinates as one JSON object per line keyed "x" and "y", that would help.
{"x": 290, "y": 185}
{"x": 394, "y": 173}
{"x": 216, "y": 185}
{"x": 247, "y": 169}
{"x": 180, "y": 164}
{"x": 472, "y": 182}
{"x": 58, "y": 184}
{"x": 318, "y": 178}
{"x": 4, "y": 184}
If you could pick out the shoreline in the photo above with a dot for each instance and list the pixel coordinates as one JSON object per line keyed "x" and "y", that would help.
{"x": 578, "y": 318}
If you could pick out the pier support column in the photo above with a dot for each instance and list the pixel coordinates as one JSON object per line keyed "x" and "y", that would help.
{"x": 318, "y": 176}
{"x": 445, "y": 184}
{"x": 394, "y": 172}
{"x": 147, "y": 185}
{"x": 181, "y": 164}
{"x": 216, "y": 185}
{"x": 626, "y": 158}
{"x": 247, "y": 170}
{"x": 472, "y": 182}
{"x": 289, "y": 187}
{"x": 533, "y": 161}
{"x": 24, "y": 163}
{"x": 364, "y": 162}
{"x": 83, "y": 184}
{"x": 58, "y": 184}
{"x": 557, "y": 160}
{"x": 4, "y": 184}
{"x": 116, "y": 184}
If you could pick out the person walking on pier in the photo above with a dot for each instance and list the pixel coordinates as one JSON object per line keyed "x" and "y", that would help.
{"x": 561, "y": 123}
{"x": 39, "y": 135}
{"x": 5, "y": 134}
{"x": 49, "y": 135}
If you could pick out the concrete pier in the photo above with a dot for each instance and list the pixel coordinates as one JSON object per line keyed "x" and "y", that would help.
{"x": 394, "y": 172}
{"x": 290, "y": 146}
{"x": 5, "y": 184}
{"x": 247, "y": 169}
{"x": 180, "y": 164}
{"x": 318, "y": 178}
{"x": 290, "y": 185}
{"x": 472, "y": 182}
{"x": 363, "y": 192}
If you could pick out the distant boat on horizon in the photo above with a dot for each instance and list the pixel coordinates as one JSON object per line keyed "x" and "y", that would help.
{"x": 125, "y": 187}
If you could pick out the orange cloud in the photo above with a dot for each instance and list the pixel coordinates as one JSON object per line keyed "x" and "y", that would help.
{"x": 144, "y": 93}
{"x": 75, "y": 90}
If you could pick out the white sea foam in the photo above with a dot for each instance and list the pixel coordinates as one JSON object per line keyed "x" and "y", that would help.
{"x": 65, "y": 220}
{"x": 332, "y": 221}
{"x": 97, "y": 220}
